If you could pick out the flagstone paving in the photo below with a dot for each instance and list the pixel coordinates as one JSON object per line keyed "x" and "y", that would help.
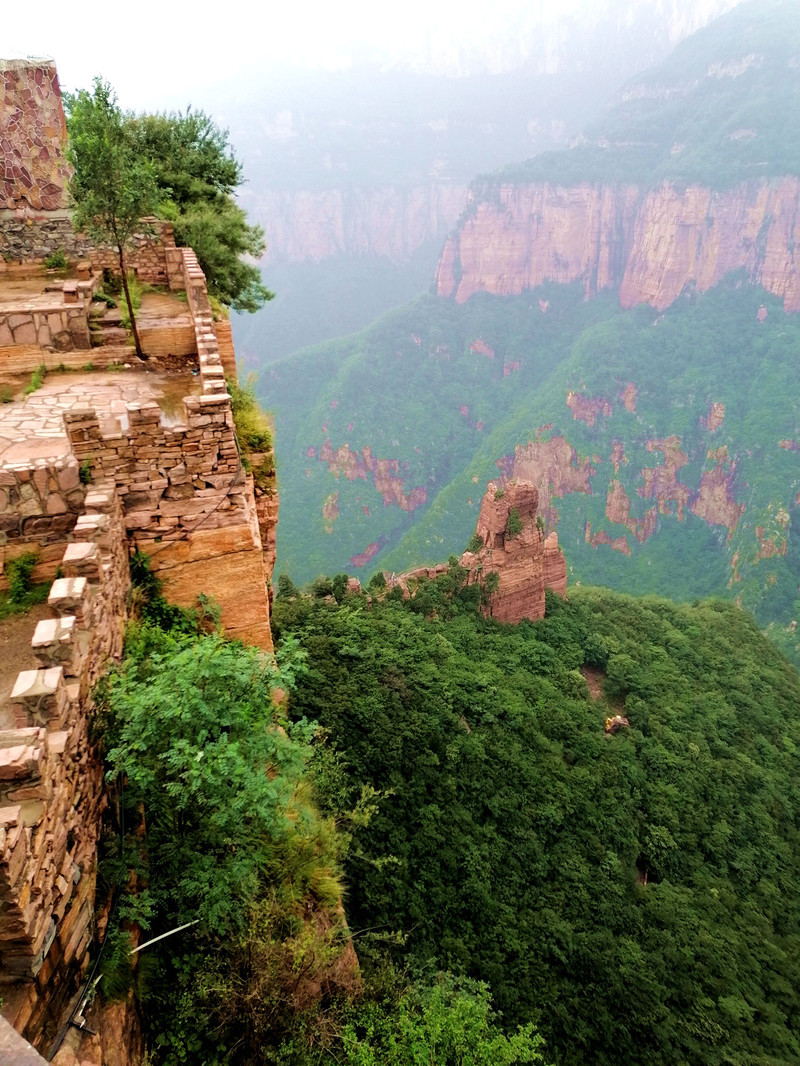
{"x": 33, "y": 428}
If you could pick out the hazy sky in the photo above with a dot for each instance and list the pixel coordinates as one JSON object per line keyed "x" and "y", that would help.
{"x": 161, "y": 54}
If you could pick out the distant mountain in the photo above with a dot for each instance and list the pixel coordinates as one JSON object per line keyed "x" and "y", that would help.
{"x": 360, "y": 173}
{"x": 663, "y": 438}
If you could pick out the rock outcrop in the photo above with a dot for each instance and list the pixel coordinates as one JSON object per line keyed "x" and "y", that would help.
{"x": 650, "y": 244}
{"x": 515, "y": 563}
{"x": 310, "y": 226}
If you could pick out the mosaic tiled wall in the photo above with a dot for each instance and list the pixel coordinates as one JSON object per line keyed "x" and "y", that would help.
{"x": 33, "y": 171}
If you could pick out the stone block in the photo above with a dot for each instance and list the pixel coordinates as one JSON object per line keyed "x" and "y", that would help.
{"x": 68, "y": 594}
{"x": 81, "y": 559}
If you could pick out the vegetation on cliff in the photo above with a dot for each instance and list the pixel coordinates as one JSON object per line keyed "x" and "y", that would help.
{"x": 217, "y": 825}
{"x": 631, "y": 894}
{"x": 112, "y": 185}
{"x": 442, "y": 395}
{"x": 179, "y": 166}
{"x": 197, "y": 176}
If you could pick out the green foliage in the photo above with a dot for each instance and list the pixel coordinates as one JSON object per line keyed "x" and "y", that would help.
{"x": 632, "y": 895}
{"x": 56, "y": 260}
{"x": 113, "y": 185}
{"x": 85, "y": 472}
{"x": 18, "y": 573}
{"x": 475, "y": 543}
{"x": 192, "y": 731}
{"x": 104, "y": 298}
{"x": 221, "y": 828}
{"x": 197, "y": 176}
{"x": 253, "y": 432}
{"x": 37, "y": 379}
{"x": 449, "y": 1022}
{"x": 514, "y": 524}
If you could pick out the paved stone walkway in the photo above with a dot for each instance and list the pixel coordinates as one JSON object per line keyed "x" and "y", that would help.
{"x": 33, "y": 428}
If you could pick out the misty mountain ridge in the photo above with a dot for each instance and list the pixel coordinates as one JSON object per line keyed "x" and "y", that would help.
{"x": 667, "y": 462}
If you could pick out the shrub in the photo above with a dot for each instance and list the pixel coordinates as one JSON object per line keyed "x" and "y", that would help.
{"x": 19, "y": 572}
{"x": 37, "y": 379}
{"x": 475, "y": 543}
{"x": 56, "y": 261}
{"x": 514, "y": 525}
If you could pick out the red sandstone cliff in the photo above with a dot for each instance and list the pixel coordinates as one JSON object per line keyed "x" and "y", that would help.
{"x": 522, "y": 560}
{"x": 304, "y": 225}
{"x": 648, "y": 244}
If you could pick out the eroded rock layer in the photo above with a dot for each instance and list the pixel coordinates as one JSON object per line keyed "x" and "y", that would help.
{"x": 649, "y": 244}
{"x": 515, "y": 564}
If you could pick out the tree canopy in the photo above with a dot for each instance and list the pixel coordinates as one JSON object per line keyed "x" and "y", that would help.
{"x": 633, "y": 895}
{"x": 197, "y": 176}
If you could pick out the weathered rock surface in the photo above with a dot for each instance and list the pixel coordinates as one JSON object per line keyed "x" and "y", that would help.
{"x": 309, "y": 226}
{"x": 514, "y": 549}
{"x": 649, "y": 244}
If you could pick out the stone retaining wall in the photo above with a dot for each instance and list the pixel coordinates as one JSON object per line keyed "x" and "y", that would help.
{"x": 51, "y": 785}
{"x": 30, "y": 238}
{"x": 58, "y": 328}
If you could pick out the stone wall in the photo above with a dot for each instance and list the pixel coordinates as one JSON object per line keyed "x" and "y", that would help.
{"x": 188, "y": 503}
{"x": 51, "y": 784}
{"x": 39, "y": 506}
{"x": 181, "y": 494}
{"x": 30, "y": 238}
{"x": 56, "y": 328}
{"x": 32, "y": 134}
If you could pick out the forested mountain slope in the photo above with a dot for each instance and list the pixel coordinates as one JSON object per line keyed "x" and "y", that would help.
{"x": 663, "y": 439}
{"x": 632, "y": 893}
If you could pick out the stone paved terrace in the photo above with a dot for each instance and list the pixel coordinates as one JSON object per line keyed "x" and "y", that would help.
{"x": 31, "y": 292}
{"x": 33, "y": 428}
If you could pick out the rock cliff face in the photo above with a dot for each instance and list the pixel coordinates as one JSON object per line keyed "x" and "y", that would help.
{"x": 516, "y": 563}
{"x": 310, "y": 226}
{"x": 649, "y": 244}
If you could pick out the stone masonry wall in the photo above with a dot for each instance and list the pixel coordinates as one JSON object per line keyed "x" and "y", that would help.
{"x": 32, "y": 134}
{"x": 29, "y": 238}
{"x": 51, "y": 787}
{"x": 39, "y": 506}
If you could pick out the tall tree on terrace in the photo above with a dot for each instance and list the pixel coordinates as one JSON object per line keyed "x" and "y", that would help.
{"x": 197, "y": 176}
{"x": 112, "y": 186}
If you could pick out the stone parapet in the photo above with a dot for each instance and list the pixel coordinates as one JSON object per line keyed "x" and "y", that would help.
{"x": 51, "y": 792}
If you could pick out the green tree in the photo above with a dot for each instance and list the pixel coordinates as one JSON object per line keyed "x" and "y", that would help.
{"x": 195, "y": 735}
{"x": 449, "y": 1023}
{"x": 112, "y": 186}
{"x": 197, "y": 176}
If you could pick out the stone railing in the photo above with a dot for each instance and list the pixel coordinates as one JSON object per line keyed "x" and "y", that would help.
{"x": 51, "y": 789}
{"x": 215, "y": 362}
